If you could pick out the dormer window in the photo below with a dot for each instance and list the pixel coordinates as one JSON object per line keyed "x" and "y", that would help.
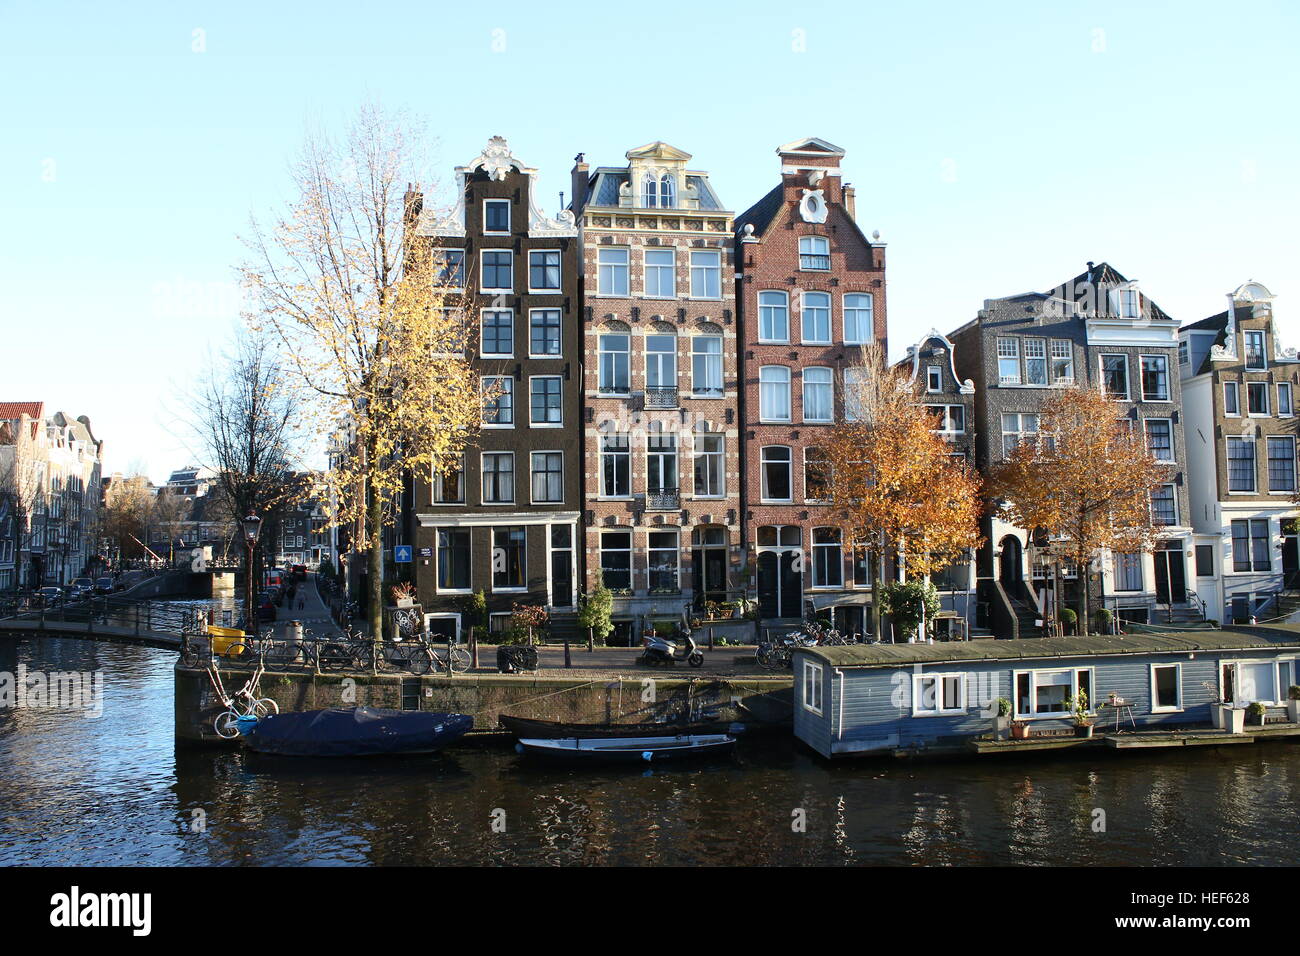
{"x": 1126, "y": 303}
{"x": 815, "y": 253}
{"x": 934, "y": 378}
{"x": 658, "y": 192}
{"x": 496, "y": 216}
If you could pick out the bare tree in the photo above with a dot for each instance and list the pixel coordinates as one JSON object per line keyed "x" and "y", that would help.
{"x": 20, "y": 480}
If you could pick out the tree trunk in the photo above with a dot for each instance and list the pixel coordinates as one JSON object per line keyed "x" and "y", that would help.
{"x": 375, "y": 518}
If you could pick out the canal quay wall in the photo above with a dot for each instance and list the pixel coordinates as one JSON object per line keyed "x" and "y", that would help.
{"x": 486, "y": 696}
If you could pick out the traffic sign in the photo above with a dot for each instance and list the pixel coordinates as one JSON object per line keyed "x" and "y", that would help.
{"x": 402, "y": 554}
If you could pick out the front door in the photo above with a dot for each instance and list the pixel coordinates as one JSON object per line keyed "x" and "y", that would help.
{"x": 1290, "y": 553}
{"x": 1171, "y": 574}
{"x": 1011, "y": 571}
{"x": 780, "y": 584}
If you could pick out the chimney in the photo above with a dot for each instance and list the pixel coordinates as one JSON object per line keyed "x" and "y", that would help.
{"x": 851, "y": 201}
{"x": 579, "y": 177}
{"x": 412, "y": 203}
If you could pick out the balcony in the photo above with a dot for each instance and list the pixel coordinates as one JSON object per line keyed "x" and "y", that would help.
{"x": 657, "y": 396}
{"x": 814, "y": 263}
{"x": 663, "y": 499}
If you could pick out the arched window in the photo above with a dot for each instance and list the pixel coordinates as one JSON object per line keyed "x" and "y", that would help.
{"x": 667, "y": 192}
{"x": 773, "y": 317}
{"x": 774, "y": 393}
{"x": 649, "y": 191}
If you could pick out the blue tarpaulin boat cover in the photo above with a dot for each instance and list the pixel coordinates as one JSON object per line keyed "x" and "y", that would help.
{"x": 357, "y": 731}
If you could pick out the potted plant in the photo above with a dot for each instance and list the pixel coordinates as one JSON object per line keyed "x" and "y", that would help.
{"x": 1104, "y": 617}
{"x": 1255, "y": 712}
{"x": 1068, "y": 619}
{"x": 1002, "y": 722}
{"x": 403, "y": 594}
{"x": 1293, "y": 703}
{"x": 1019, "y": 730}
{"x": 1079, "y": 709}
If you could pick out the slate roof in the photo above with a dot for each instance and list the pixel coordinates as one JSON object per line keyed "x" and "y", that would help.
{"x": 1104, "y": 274}
{"x": 605, "y": 183}
{"x": 762, "y": 212}
{"x": 1026, "y": 649}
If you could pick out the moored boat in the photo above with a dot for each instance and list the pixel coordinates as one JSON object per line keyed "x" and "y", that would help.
{"x": 628, "y": 749}
{"x": 554, "y": 729}
{"x": 354, "y": 732}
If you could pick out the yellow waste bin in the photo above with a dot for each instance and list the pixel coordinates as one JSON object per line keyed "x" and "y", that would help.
{"x": 223, "y": 639}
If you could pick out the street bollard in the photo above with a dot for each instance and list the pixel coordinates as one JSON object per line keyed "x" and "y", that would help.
{"x": 473, "y": 647}
{"x": 710, "y": 638}
{"x": 567, "y": 662}
{"x": 591, "y": 640}
{"x": 450, "y": 640}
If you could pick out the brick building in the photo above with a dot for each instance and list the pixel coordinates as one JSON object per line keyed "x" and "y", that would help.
{"x": 507, "y": 522}
{"x": 662, "y": 451}
{"x": 811, "y": 293}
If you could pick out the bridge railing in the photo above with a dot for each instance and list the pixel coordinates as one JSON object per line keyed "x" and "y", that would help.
{"x": 138, "y": 616}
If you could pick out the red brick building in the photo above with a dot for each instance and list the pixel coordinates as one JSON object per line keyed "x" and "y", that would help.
{"x": 810, "y": 293}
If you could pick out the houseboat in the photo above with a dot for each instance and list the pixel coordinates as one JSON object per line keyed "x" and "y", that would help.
{"x": 906, "y": 699}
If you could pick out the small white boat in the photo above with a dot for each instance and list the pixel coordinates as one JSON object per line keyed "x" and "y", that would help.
{"x": 628, "y": 749}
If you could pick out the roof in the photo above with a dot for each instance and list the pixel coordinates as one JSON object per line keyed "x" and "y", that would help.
{"x": 1043, "y": 648}
{"x": 606, "y": 181}
{"x": 761, "y": 213}
{"x": 14, "y": 410}
{"x": 1104, "y": 274}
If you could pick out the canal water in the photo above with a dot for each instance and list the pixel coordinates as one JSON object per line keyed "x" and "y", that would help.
{"x": 116, "y": 790}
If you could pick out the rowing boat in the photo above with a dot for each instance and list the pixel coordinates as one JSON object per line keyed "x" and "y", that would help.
{"x": 628, "y": 749}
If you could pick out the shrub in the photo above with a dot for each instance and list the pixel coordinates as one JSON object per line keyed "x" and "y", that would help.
{"x": 1255, "y": 712}
{"x": 1293, "y": 692}
{"x": 1004, "y": 707}
{"x": 903, "y": 600}
{"x": 596, "y": 610}
{"x": 1104, "y": 617}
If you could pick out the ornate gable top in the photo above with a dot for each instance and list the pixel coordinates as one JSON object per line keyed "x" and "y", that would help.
{"x": 810, "y": 146}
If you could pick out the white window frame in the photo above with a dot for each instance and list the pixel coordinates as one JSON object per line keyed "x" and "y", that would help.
{"x": 1060, "y": 350}
{"x": 814, "y": 547}
{"x": 857, "y": 311}
{"x": 704, "y": 272}
{"x": 1146, "y": 437}
{"x": 761, "y": 386}
{"x": 828, "y": 386}
{"x": 514, "y": 478}
{"x": 1284, "y": 388}
{"x": 482, "y": 338}
{"x": 720, "y": 457}
{"x": 1262, "y": 389}
{"x": 709, "y": 357}
{"x": 1236, "y": 400}
{"x": 523, "y": 562}
{"x": 677, "y": 557}
{"x": 436, "y": 483}
{"x": 496, "y": 202}
{"x": 534, "y": 424}
{"x": 812, "y": 680}
{"x": 823, "y": 246}
{"x": 937, "y": 679}
{"x": 1173, "y": 497}
{"x": 763, "y": 462}
{"x": 482, "y": 272}
{"x": 646, "y": 268}
{"x": 1263, "y": 350}
{"x": 1169, "y": 383}
{"x": 437, "y": 561}
{"x": 510, "y": 389}
{"x": 1035, "y": 349}
{"x": 804, "y": 310}
{"x": 1033, "y": 691}
{"x": 559, "y": 334}
{"x": 601, "y": 352}
{"x": 531, "y": 471}
{"x": 614, "y": 270}
{"x": 785, "y": 311}
{"x": 1008, "y": 349}
{"x": 1178, "y": 670}
{"x": 559, "y": 280}
{"x": 1128, "y": 378}
{"x": 441, "y": 255}
{"x": 933, "y": 379}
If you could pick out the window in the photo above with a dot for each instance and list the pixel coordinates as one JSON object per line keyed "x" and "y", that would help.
{"x": 1126, "y": 303}
{"x": 1160, "y": 438}
{"x": 614, "y": 360}
{"x": 1166, "y": 688}
{"x": 1008, "y": 361}
{"x": 661, "y": 362}
{"x": 1230, "y": 406}
{"x": 544, "y": 332}
{"x": 774, "y": 393}
{"x": 706, "y": 365}
{"x": 1183, "y": 358}
{"x": 615, "y": 466}
{"x": 1155, "y": 378}
{"x": 816, "y": 318}
{"x": 664, "y": 561}
{"x": 706, "y": 274}
{"x": 657, "y": 191}
{"x": 816, "y": 474}
{"x": 1128, "y": 572}
{"x": 1035, "y": 361}
{"x": 1281, "y": 464}
{"x": 812, "y": 687}
{"x": 661, "y": 464}
{"x": 1062, "y": 362}
{"x": 453, "y": 559}
{"x": 545, "y": 401}
{"x": 828, "y": 561}
{"x": 858, "y": 318}
{"x": 449, "y": 486}
{"x": 544, "y": 270}
{"x": 1048, "y": 693}
{"x": 660, "y": 280}
{"x": 854, "y": 379}
{"x": 815, "y": 253}
{"x": 611, "y": 272}
{"x": 548, "y": 477}
{"x": 498, "y": 339}
{"x": 498, "y": 400}
{"x": 1114, "y": 376}
{"x": 1205, "y": 560}
{"x": 1255, "y": 357}
{"x": 773, "y": 317}
{"x": 818, "y": 395}
{"x": 1241, "y": 464}
{"x": 449, "y": 268}
{"x": 951, "y": 418}
{"x": 934, "y": 378}
{"x": 1018, "y": 427}
{"x": 1250, "y": 545}
{"x": 776, "y": 473}
{"x": 498, "y": 478}
{"x": 709, "y": 466}
{"x": 508, "y": 559}
{"x": 498, "y": 271}
{"x": 934, "y": 694}
{"x": 1164, "y": 506}
{"x": 616, "y": 559}
{"x": 496, "y": 215}
{"x": 1257, "y": 398}
{"x": 1284, "y": 407}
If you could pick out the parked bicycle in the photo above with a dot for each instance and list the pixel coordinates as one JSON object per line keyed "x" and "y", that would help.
{"x": 242, "y": 705}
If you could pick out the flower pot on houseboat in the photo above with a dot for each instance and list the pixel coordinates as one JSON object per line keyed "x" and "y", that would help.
{"x": 1234, "y": 719}
{"x": 1019, "y": 730}
{"x": 1293, "y": 711}
{"x": 1001, "y": 728}
{"x": 1083, "y": 730}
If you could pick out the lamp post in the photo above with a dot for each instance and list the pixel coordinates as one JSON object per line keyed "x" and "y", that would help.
{"x": 252, "y": 525}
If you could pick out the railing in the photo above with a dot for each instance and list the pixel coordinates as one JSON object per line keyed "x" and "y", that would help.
{"x": 818, "y": 263}
{"x": 139, "y": 616}
{"x": 657, "y": 396}
{"x": 665, "y": 499}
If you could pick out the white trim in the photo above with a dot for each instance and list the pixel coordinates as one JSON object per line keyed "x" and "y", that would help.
{"x": 545, "y": 451}
{"x": 496, "y": 232}
{"x": 482, "y": 273}
{"x": 813, "y": 670}
{"x": 918, "y": 694}
{"x": 559, "y": 288}
{"x": 1178, "y": 686}
{"x": 533, "y": 424}
{"x": 495, "y": 518}
{"x": 514, "y": 478}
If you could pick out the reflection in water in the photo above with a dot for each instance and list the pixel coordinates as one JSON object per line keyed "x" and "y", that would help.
{"x": 117, "y": 790}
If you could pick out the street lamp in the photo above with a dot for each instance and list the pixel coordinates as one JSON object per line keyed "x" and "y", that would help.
{"x": 252, "y": 526}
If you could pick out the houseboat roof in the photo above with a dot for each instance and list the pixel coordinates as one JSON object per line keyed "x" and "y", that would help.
{"x": 1272, "y": 637}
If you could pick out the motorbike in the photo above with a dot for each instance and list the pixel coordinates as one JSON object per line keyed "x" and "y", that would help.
{"x": 661, "y": 651}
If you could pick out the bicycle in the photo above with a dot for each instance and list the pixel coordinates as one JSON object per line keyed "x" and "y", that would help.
{"x": 240, "y": 706}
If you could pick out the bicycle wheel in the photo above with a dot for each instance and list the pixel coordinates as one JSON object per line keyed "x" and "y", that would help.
{"x": 419, "y": 661}
{"x": 226, "y": 725}
{"x": 264, "y": 707}
{"x": 460, "y": 660}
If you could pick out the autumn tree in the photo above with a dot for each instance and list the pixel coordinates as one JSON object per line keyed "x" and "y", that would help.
{"x": 893, "y": 484}
{"x": 20, "y": 482}
{"x": 367, "y": 323}
{"x": 1086, "y": 482}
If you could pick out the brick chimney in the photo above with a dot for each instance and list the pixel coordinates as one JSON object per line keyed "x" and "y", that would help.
{"x": 851, "y": 201}
{"x": 412, "y": 204}
{"x": 579, "y": 177}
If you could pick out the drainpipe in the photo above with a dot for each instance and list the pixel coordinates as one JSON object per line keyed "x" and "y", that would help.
{"x": 839, "y": 707}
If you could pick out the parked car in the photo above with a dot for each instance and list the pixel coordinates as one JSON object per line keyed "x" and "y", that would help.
{"x": 80, "y": 587}
{"x": 104, "y": 585}
{"x": 49, "y": 596}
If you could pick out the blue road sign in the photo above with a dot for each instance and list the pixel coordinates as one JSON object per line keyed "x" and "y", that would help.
{"x": 402, "y": 554}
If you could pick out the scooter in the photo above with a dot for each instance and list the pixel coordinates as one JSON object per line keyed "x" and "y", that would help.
{"x": 662, "y": 652}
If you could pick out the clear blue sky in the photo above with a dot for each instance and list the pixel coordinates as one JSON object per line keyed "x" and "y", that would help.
{"x": 996, "y": 146}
